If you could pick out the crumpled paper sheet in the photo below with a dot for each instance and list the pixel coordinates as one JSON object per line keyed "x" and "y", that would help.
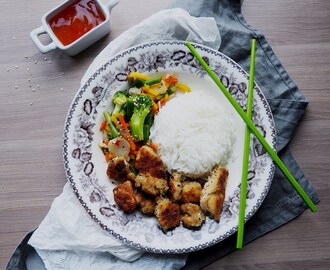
{"x": 67, "y": 238}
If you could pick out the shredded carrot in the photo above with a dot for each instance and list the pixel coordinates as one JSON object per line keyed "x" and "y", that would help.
{"x": 131, "y": 142}
{"x": 154, "y": 146}
{"x": 162, "y": 101}
{"x": 122, "y": 121}
{"x": 108, "y": 156}
{"x": 103, "y": 124}
{"x": 128, "y": 136}
{"x": 171, "y": 80}
{"x": 133, "y": 152}
{"x": 106, "y": 141}
{"x": 154, "y": 107}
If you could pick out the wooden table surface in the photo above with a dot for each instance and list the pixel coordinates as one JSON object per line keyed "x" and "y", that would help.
{"x": 37, "y": 89}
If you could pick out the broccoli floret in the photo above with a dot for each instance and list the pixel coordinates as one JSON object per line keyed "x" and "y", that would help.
{"x": 142, "y": 106}
{"x": 119, "y": 99}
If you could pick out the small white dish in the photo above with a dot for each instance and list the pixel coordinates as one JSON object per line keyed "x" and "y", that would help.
{"x": 80, "y": 43}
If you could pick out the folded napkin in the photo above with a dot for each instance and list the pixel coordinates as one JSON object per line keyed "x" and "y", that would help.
{"x": 67, "y": 238}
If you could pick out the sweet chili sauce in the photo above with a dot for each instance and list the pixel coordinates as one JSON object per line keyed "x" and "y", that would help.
{"x": 76, "y": 20}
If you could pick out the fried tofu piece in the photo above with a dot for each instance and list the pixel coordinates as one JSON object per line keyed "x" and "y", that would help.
{"x": 148, "y": 161}
{"x": 168, "y": 214}
{"x": 151, "y": 185}
{"x": 175, "y": 185}
{"x": 119, "y": 170}
{"x": 213, "y": 193}
{"x": 192, "y": 215}
{"x": 191, "y": 192}
{"x": 124, "y": 196}
{"x": 146, "y": 204}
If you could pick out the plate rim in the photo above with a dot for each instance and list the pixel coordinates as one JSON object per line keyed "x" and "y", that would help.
{"x": 69, "y": 175}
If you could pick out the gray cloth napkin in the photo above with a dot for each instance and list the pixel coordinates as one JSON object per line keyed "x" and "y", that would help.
{"x": 288, "y": 105}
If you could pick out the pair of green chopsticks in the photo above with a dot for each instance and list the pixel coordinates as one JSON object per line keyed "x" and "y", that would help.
{"x": 246, "y": 153}
{"x": 250, "y": 127}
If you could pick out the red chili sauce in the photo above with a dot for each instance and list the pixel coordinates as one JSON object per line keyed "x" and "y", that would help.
{"x": 76, "y": 20}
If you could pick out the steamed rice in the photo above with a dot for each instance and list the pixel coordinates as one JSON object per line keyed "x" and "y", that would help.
{"x": 193, "y": 133}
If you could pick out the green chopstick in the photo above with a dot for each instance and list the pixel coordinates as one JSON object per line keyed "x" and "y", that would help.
{"x": 246, "y": 153}
{"x": 254, "y": 130}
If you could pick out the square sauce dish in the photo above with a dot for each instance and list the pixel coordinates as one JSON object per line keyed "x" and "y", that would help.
{"x": 74, "y": 25}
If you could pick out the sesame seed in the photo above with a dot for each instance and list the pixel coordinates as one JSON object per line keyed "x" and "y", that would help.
{"x": 28, "y": 79}
{"x": 35, "y": 62}
{"x": 8, "y": 69}
{"x": 45, "y": 58}
{"x": 31, "y": 103}
{"x": 28, "y": 69}
{"x": 38, "y": 85}
{"x": 14, "y": 38}
{"x": 16, "y": 67}
{"x": 49, "y": 62}
{"x": 16, "y": 87}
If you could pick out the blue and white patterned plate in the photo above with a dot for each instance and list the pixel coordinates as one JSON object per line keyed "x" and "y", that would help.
{"x": 86, "y": 168}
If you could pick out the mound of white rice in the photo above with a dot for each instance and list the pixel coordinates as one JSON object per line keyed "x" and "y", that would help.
{"x": 193, "y": 133}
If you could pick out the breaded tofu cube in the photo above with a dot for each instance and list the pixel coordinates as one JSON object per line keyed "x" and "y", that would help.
{"x": 151, "y": 185}
{"x": 175, "y": 185}
{"x": 191, "y": 192}
{"x": 119, "y": 170}
{"x": 213, "y": 193}
{"x": 168, "y": 214}
{"x": 192, "y": 215}
{"x": 148, "y": 161}
{"x": 124, "y": 196}
{"x": 146, "y": 204}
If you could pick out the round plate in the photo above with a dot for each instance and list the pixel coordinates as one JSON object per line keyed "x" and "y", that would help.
{"x": 86, "y": 167}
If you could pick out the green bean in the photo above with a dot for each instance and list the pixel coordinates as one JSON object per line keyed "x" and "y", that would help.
{"x": 146, "y": 133}
{"x": 153, "y": 81}
{"x": 113, "y": 129}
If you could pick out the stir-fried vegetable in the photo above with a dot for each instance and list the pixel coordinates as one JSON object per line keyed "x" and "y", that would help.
{"x": 119, "y": 100}
{"x": 119, "y": 147}
{"x": 113, "y": 129}
{"x": 142, "y": 107}
{"x": 128, "y": 125}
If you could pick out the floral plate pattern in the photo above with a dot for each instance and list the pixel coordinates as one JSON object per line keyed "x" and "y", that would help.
{"x": 86, "y": 168}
